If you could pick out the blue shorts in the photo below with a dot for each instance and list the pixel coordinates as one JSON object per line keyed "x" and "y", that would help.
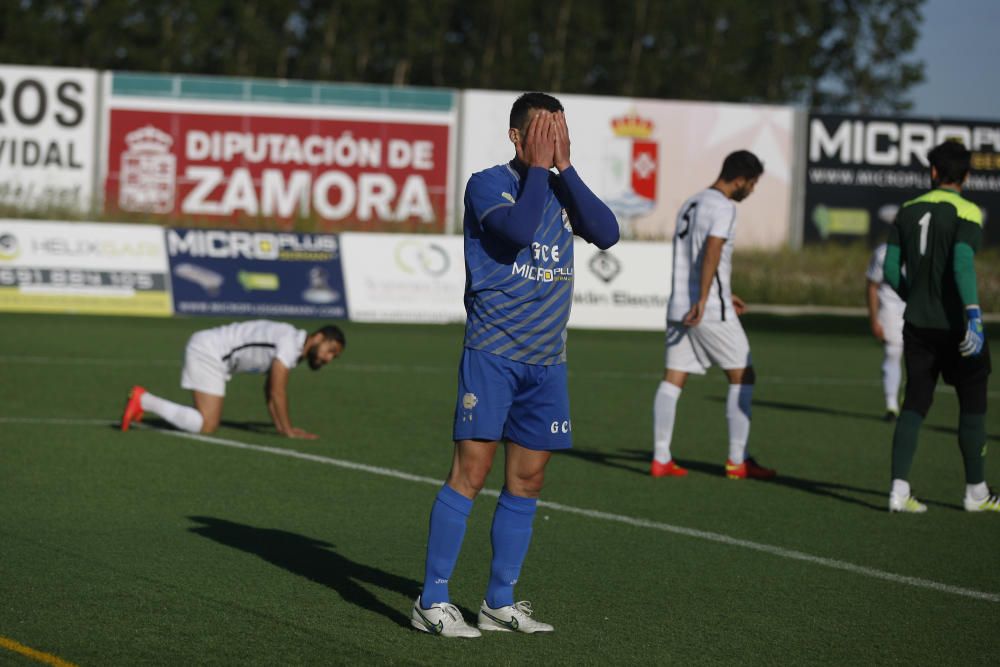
{"x": 500, "y": 399}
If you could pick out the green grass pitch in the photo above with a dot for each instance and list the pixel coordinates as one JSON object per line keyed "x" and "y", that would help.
{"x": 150, "y": 548}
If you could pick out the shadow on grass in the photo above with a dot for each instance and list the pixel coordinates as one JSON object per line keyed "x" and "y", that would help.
{"x": 834, "y": 412}
{"x": 315, "y": 560}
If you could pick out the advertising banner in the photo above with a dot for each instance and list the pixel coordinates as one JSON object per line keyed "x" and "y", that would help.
{"x": 47, "y": 128}
{"x": 100, "y": 269}
{"x": 862, "y": 168}
{"x": 625, "y": 287}
{"x": 337, "y": 168}
{"x": 256, "y": 274}
{"x": 404, "y": 277}
{"x": 645, "y": 157}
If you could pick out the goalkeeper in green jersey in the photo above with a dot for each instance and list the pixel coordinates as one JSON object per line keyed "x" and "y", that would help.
{"x": 935, "y": 238}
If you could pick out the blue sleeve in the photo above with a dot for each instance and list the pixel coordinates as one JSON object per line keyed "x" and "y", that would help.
{"x": 591, "y": 218}
{"x": 512, "y": 221}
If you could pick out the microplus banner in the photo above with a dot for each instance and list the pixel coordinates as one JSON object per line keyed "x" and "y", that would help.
{"x": 862, "y": 168}
{"x": 47, "y": 126}
{"x": 255, "y": 274}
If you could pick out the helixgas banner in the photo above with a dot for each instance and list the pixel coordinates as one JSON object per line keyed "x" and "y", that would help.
{"x": 645, "y": 157}
{"x": 47, "y": 126}
{"x": 256, "y": 274}
{"x": 75, "y": 267}
{"x": 862, "y": 168}
{"x": 404, "y": 277}
{"x": 210, "y": 153}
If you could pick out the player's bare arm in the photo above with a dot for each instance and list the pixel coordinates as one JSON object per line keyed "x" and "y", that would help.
{"x": 872, "y": 297}
{"x": 710, "y": 264}
{"x": 739, "y": 305}
{"x": 277, "y": 402}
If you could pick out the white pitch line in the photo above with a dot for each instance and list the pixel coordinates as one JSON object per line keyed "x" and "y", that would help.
{"x": 616, "y": 518}
{"x": 719, "y": 538}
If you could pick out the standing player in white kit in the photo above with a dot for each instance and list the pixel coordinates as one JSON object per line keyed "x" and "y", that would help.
{"x": 885, "y": 314}
{"x": 703, "y": 327}
{"x": 211, "y": 358}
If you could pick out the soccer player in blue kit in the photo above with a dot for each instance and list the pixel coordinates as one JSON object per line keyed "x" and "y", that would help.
{"x": 520, "y": 219}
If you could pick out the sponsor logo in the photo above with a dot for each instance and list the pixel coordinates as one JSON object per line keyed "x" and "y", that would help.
{"x": 433, "y": 628}
{"x": 469, "y": 401}
{"x": 319, "y": 290}
{"x": 9, "y": 247}
{"x": 221, "y": 244}
{"x": 266, "y": 282}
{"x": 541, "y": 275}
{"x": 634, "y": 160}
{"x": 511, "y": 624}
{"x": 148, "y": 172}
{"x": 208, "y": 280}
{"x": 422, "y": 257}
{"x": 605, "y": 266}
{"x": 561, "y": 427}
{"x": 509, "y": 197}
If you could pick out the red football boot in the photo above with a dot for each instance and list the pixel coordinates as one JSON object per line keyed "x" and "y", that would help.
{"x": 668, "y": 469}
{"x": 133, "y": 407}
{"x": 749, "y": 469}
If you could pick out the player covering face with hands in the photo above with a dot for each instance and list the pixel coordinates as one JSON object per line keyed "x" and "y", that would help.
{"x": 520, "y": 220}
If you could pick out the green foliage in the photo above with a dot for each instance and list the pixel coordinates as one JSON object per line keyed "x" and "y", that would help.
{"x": 831, "y": 275}
{"x": 830, "y": 54}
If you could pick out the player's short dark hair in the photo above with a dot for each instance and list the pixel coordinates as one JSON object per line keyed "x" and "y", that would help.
{"x": 527, "y": 102}
{"x": 952, "y": 161}
{"x": 332, "y": 332}
{"x": 741, "y": 164}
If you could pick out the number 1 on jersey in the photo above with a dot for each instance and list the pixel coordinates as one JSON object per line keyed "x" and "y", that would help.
{"x": 924, "y": 223}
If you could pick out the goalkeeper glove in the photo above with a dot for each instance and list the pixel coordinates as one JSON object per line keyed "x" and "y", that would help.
{"x": 972, "y": 344}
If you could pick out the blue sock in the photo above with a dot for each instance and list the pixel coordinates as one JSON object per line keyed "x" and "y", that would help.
{"x": 511, "y": 535}
{"x": 444, "y": 541}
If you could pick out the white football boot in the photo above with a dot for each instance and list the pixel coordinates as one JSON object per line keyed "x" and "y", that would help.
{"x": 906, "y": 504}
{"x": 441, "y": 619}
{"x": 991, "y": 503}
{"x": 512, "y": 618}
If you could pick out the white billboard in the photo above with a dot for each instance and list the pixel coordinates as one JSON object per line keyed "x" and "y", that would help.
{"x": 403, "y": 277}
{"x": 47, "y": 125}
{"x": 645, "y": 157}
{"x": 625, "y": 287}
{"x": 69, "y": 267}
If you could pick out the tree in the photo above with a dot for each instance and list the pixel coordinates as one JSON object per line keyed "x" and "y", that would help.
{"x": 835, "y": 55}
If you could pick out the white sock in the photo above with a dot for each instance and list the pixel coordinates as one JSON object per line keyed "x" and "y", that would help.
{"x": 900, "y": 488}
{"x": 181, "y": 416}
{"x": 738, "y": 416}
{"x": 977, "y": 492}
{"x": 664, "y": 410}
{"x": 892, "y": 375}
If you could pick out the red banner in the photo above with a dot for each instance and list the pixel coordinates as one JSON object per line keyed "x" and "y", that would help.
{"x": 345, "y": 174}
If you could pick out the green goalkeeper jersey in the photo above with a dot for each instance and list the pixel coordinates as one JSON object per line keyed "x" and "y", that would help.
{"x": 926, "y": 231}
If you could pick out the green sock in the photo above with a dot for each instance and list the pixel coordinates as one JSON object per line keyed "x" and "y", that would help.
{"x": 904, "y": 443}
{"x": 972, "y": 442}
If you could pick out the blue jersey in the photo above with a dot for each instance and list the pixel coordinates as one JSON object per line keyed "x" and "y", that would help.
{"x": 517, "y": 300}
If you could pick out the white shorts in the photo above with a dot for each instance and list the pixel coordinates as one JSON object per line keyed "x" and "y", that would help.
{"x": 203, "y": 370}
{"x": 696, "y": 349}
{"x": 892, "y": 325}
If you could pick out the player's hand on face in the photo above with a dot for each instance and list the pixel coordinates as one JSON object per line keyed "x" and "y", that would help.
{"x": 298, "y": 433}
{"x": 694, "y": 315}
{"x": 539, "y": 144}
{"x": 561, "y": 135}
{"x": 739, "y": 305}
